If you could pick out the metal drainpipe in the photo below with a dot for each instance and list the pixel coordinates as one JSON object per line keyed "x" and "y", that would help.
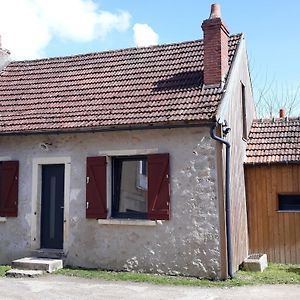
{"x": 227, "y": 199}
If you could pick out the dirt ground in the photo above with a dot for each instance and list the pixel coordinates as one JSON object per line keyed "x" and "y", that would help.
{"x": 60, "y": 287}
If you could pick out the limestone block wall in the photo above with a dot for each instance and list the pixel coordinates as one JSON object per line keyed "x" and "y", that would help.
{"x": 187, "y": 244}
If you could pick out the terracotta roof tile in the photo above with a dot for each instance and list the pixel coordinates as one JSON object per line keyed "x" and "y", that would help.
{"x": 137, "y": 86}
{"x": 274, "y": 141}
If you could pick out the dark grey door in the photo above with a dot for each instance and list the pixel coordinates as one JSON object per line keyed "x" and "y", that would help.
{"x": 52, "y": 214}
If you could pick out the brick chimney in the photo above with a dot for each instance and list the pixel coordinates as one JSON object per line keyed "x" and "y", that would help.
{"x": 281, "y": 113}
{"x": 215, "y": 39}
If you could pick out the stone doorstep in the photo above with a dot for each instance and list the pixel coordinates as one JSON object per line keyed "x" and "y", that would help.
{"x": 48, "y": 253}
{"x": 35, "y": 263}
{"x": 23, "y": 273}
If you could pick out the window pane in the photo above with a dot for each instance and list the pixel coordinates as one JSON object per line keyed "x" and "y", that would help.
{"x": 142, "y": 178}
{"x": 133, "y": 196}
{"x": 289, "y": 202}
{"x": 244, "y": 115}
{"x": 143, "y": 167}
{"x": 52, "y": 206}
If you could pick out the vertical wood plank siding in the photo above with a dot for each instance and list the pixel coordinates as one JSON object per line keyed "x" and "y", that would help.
{"x": 272, "y": 232}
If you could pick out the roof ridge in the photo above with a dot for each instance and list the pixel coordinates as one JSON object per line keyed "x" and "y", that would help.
{"x": 114, "y": 51}
{"x": 260, "y": 120}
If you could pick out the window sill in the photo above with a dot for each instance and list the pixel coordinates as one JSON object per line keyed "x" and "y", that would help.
{"x": 3, "y": 219}
{"x": 129, "y": 222}
{"x": 288, "y": 211}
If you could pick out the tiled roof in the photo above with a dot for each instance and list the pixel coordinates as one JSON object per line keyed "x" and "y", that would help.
{"x": 274, "y": 141}
{"x": 130, "y": 87}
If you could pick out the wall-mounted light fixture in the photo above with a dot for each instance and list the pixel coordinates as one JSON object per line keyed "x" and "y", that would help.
{"x": 45, "y": 146}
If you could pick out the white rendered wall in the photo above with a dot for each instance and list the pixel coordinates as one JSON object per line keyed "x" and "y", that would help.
{"x": 186, "y": 244}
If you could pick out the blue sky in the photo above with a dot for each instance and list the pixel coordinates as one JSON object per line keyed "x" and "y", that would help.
{"x": 271, "y": 28}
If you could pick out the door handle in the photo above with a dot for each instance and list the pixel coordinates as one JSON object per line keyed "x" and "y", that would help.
{"x": 62, "y": 207}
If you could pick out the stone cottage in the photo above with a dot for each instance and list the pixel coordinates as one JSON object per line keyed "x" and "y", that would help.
{"x": 121, "y": 159}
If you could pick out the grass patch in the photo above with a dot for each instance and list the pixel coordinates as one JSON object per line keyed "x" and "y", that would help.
{"x": 274, "y": 274}
{"x": 3, "y": 269}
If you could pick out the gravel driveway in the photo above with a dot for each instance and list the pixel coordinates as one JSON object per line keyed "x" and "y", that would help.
{"x": 60, "y": 287}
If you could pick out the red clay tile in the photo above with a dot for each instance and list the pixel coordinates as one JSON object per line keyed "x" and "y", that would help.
{"x": 129, "y": 87}
{"x": 274, "y": 141}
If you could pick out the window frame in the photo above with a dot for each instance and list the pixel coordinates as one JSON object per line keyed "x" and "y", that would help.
{"x": 280, "y": 209}
{"x": 142, "y": 175}
{"x": 115, "y": 189}
{"x": 99, "y": 186}
{"x": 244, "y": 112}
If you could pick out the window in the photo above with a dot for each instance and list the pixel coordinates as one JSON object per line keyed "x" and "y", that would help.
{"x": 244, "y": 116}
{"x": 139, "y": 185}
{"x": 129, "y": 187}
{"x": 9, "y": 173}
{"x": 289, "y": 202}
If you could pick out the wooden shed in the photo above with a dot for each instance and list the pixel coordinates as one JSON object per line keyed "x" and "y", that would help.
{"x": 272, "y": 174}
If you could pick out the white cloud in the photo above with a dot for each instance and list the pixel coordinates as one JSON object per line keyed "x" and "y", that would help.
{"x": 27, "y": 26}
{"x": 144, "y": 35}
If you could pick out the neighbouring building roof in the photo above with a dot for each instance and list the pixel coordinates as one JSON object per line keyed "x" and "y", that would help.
{"x": 123, "y": 88}
{"x": 274, "y": 141}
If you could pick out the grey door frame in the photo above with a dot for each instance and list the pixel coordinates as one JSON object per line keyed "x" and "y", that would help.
{"x": 37, "y": 164}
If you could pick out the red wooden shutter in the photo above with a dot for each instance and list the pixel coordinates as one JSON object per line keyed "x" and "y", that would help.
{"x": 158, "y": 187}
{"x": 9, "y": 189}
{"x": 96, "y": 207}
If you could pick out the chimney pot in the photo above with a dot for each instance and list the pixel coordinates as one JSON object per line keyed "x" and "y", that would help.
{"x": 281, "y": 113}
{"x": 215, "y": 11}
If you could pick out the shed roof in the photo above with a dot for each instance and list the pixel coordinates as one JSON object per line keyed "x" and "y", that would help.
{"x": 274, "y": 141}
{"x": 123, "y": 88}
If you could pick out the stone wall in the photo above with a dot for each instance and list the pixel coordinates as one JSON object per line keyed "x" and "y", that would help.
{"x": 187, "y": 244}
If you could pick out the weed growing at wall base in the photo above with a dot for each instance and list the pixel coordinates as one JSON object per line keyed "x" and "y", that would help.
{"x": 3, "y": 269}
{"x": 274, "y": 274}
